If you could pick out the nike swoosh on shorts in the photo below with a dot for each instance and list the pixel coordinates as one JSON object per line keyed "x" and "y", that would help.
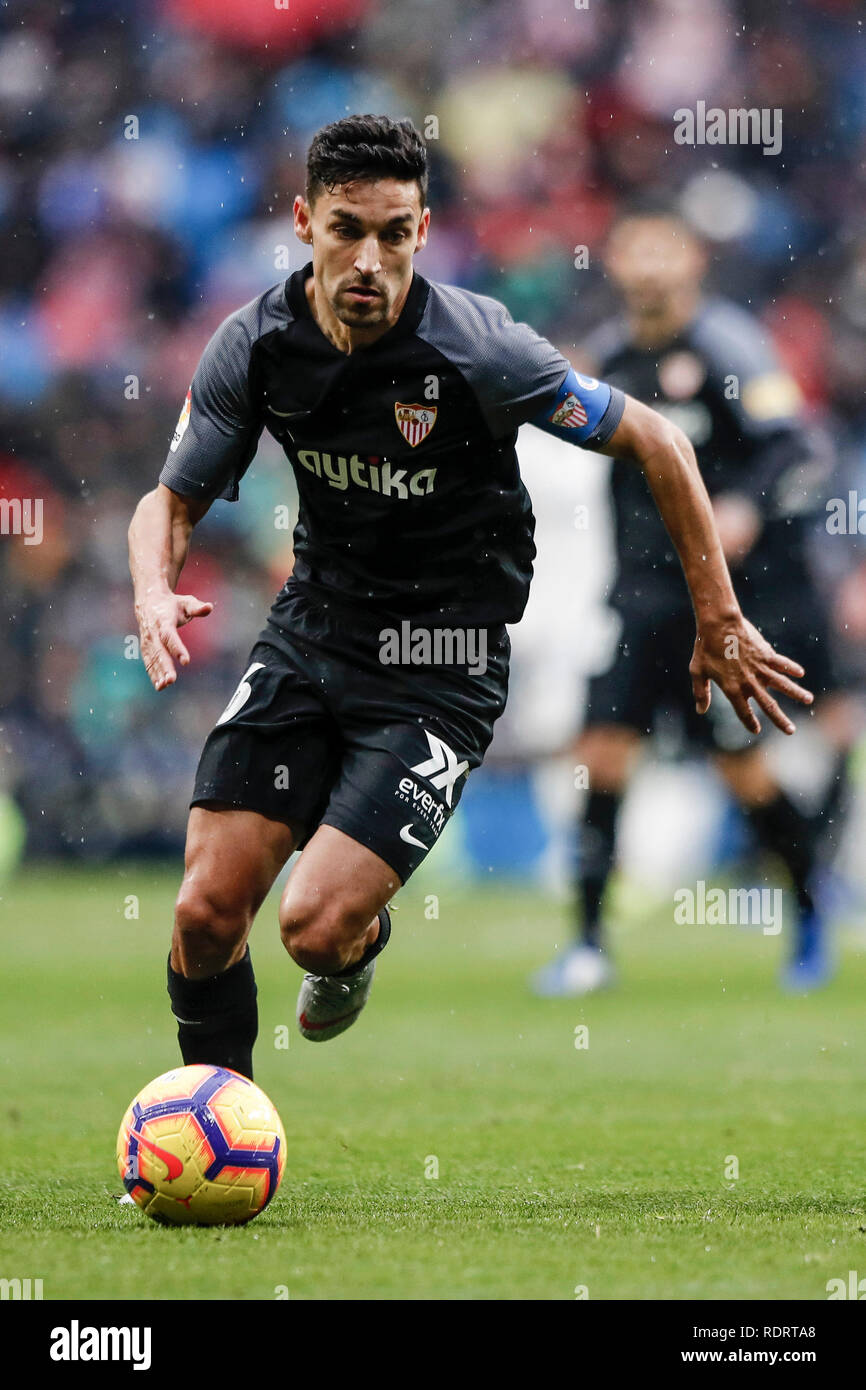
{"x": 409, "y": 838}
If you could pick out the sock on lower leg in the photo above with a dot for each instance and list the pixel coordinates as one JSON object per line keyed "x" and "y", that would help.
{"x": 596, "y": 855}
{"x": 373, "y": 949}
{"x": 787, "y": 832}
{"x": 834, "y": 808}
{"x": 217, "y": 1016}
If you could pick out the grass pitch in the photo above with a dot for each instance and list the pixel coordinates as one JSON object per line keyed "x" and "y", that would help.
{"x": 607, "y": 1168}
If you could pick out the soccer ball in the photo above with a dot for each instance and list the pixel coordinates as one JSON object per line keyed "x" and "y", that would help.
{"x": 201, "y": 1146}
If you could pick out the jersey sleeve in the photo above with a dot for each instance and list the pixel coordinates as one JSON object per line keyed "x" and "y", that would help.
{"x": 762, "y": 400}
{"x": 758, "y": 393}
{"x": 513, "y": 372}
{"x": 218, "y": 431}
{"x": 521, "y": 371}
{"x": 583, "y": 411}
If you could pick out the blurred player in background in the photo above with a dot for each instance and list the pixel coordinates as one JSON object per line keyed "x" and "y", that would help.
{"x": 704, "y": 363}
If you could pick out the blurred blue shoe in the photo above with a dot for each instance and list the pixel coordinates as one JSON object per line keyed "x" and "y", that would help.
{"x": 835, "y": 894}
{"x": 812, "y": 965}
{"x": 573, "y": 972}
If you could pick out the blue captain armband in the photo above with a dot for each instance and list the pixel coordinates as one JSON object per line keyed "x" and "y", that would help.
{"x": 584, "y": 411}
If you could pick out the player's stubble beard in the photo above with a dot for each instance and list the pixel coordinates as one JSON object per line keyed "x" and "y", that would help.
{"x": 371, "y": 315}
{"x": 379, "y": 314}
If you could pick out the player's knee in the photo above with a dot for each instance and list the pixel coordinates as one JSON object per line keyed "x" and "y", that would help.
{"x": 320, "y": 936}
{"x": 609, "y": 753}
{"x": 749, "y": 776}
{"x": 209, "y": 925}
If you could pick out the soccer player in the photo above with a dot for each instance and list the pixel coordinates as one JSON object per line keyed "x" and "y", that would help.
{"x": 397, "y": 402}
{"x": 706, "y": 365}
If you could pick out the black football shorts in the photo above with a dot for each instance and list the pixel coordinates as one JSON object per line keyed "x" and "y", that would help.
{"x": 648, "y": 686}
{"x": 322, "y": 731}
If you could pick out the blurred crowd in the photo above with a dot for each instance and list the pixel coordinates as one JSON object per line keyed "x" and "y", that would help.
{"x": 149, "y": 155}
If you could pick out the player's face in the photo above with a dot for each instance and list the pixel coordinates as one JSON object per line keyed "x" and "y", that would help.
{"x": 364, "y": 236}
{"x": 651, "y": 260}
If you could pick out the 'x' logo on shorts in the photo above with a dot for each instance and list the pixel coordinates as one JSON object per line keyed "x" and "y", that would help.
{"x": 441, "y": 768}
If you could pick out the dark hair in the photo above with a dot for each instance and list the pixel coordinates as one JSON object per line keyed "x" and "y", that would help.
{"x": 365, "y": 147}
{"x": 656, "y": 205}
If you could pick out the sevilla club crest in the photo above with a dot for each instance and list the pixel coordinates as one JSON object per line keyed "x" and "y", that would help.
{"x": 569, "y": 414}
{"x": 414, "y": 421}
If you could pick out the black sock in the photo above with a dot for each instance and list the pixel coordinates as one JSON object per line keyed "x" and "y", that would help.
{"x": 217, "y": 1017}
{"x": 373, "y": 950}
{"x": 597, "y": 845}
{"x": 834, "y": 808}
{"x": 785, "y": 831}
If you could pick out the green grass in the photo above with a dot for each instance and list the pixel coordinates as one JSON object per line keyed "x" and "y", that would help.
{"x": 558, "y": 1166}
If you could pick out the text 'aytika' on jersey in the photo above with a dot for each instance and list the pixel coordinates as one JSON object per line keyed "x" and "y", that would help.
{"x": 410, "y": 498}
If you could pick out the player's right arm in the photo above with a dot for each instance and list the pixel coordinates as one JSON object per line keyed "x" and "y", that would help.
{"x": 159, "y": 536}
{"x": 215, "y": 439}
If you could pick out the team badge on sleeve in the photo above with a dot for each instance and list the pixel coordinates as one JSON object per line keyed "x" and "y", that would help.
{"x": 578, "y": 410}
{"x": 180, "y": 427}
{"x": 569, "y": 414}
{"x": 414, "y": 421}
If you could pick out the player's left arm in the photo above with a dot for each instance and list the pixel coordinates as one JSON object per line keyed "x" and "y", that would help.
{"x": 526, "y": 380}
{"x": 728, "y": 649}
{"x": 783, "y": 459}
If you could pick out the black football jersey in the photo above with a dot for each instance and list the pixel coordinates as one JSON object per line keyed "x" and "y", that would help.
{"x": 410, "y": 498}
{"x": 720, "y": 381}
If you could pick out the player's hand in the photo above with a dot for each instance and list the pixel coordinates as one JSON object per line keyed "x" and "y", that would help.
{"x": 161, "y": 647}
{"x": 745, "y": 667}
{"x": 738, "y": 523}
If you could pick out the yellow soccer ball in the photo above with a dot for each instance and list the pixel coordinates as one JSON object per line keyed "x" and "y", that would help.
{"x": 203, "y": 1146}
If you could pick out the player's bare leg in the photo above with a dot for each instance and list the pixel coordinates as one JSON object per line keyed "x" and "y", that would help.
{"x": 334, "y": 922}
{"x": 609, "y": 752}
{"x": 232, "y": 859}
